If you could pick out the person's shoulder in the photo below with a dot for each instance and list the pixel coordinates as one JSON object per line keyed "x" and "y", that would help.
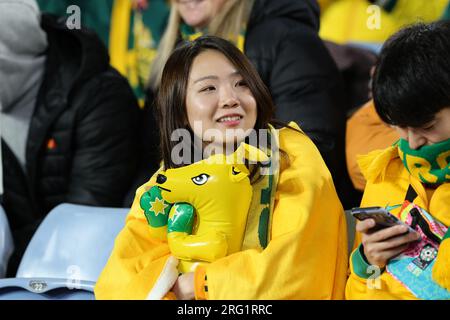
{"x": 302, "y": 167}
{"x": 106, "y": 92}
{"x": 302, "y": 155}
{"x": 110, "y": 77}
{"x": 295, "y": 142}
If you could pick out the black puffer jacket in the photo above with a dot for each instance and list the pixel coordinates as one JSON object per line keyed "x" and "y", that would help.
{"x": 81, "y": 146}
{"x": 282, "y": 42}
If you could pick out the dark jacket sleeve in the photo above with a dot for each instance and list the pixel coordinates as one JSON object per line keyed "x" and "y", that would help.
{"x": 305, "y": 84}
{"x": 304, "y": 81}
{"x": 105, "y": 151}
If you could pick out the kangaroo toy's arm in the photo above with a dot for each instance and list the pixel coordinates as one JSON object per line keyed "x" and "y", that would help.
{"x": 205, "y": 247}
{"x": 183, "y": 244}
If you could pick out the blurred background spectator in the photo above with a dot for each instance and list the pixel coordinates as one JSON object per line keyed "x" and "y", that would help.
{"x": 130, "y": 29}
{"x": 67, "y": 120}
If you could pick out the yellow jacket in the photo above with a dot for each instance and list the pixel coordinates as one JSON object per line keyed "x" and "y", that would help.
{"x": 387, "y": 184}
{"x": 306, "y": 257}
{"x": 358, "y": 21}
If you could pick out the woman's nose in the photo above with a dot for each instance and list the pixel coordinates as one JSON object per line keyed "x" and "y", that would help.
{"x": 228, "y": 98}
{"x": 160, "y": 178}
{"x": 415, "y": 140}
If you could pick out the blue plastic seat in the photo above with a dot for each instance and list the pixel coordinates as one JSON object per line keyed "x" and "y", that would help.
{"x": 375, "y": 47}
{"x": 6, "y": 242}
{"x": 44, "y": 289}
{"x": 66, "y": 254}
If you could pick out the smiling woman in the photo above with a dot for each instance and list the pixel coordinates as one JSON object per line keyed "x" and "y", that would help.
{"x": 224, "y": 97}
{"x": 252, "y": 218}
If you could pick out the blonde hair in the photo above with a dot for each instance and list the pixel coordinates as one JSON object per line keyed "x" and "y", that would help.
{"x": 227, "y": 24}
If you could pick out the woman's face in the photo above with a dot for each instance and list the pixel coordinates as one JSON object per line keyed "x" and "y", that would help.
{"x": 199, "y": 13}
{"x": 437, "y": 130}
{"x": 220, "y": 107}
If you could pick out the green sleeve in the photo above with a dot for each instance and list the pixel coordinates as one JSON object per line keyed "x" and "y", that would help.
{"x": 447, "y": 235}
{"x": 359, "y": 264}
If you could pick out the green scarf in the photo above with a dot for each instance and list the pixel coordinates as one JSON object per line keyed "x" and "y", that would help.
{"x": 430, "y": 164}
{"x": 446, "y": 15}
{"x": 188, "y": 33}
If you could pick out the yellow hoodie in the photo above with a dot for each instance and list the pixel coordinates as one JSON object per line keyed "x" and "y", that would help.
{"x": 306, "y": 257}
{"x": 387, "y": 184}
{"x": 345, "y": 21}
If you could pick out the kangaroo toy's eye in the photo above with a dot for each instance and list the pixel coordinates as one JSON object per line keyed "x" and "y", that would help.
{"x": 200, "y": 179}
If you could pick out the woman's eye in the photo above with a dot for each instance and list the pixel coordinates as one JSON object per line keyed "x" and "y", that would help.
{"x": 206, "y": 89}
{"x": 200, "y": 179}
{"x": 242, "y": 83}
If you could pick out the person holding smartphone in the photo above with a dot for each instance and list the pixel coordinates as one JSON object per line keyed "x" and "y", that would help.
{"x": 411, "y": 89}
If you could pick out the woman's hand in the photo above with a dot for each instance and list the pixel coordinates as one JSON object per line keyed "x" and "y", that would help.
{"x": 184, "y": 287}
{"x": 382, "y": 245}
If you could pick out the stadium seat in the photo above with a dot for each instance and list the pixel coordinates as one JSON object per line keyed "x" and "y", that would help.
{"x": 375, "y": 47}
{"x": 66, "y": 254}
{"x": 6, "y": 243}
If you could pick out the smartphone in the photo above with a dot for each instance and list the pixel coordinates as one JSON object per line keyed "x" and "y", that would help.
{"x": 382, "y": 217}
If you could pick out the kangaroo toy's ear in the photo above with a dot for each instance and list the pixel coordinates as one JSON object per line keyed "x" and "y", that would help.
{"x": 238, "y": 172}
{"x": 245, "y": 151}
{"x": 250, "y": 153}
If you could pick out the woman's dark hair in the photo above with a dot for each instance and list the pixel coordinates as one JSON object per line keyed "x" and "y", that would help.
{"x": 412, "y": 78}
{"x": 171, "y": 96}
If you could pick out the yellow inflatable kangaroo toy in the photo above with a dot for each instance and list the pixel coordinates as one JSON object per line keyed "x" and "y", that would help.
{"x": 204, "y": 206}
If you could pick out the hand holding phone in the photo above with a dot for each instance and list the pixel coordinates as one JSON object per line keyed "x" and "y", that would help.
{"x": 385, "y": 239}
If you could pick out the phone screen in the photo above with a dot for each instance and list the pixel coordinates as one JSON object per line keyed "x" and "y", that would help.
{"x": 381, "y": 216}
